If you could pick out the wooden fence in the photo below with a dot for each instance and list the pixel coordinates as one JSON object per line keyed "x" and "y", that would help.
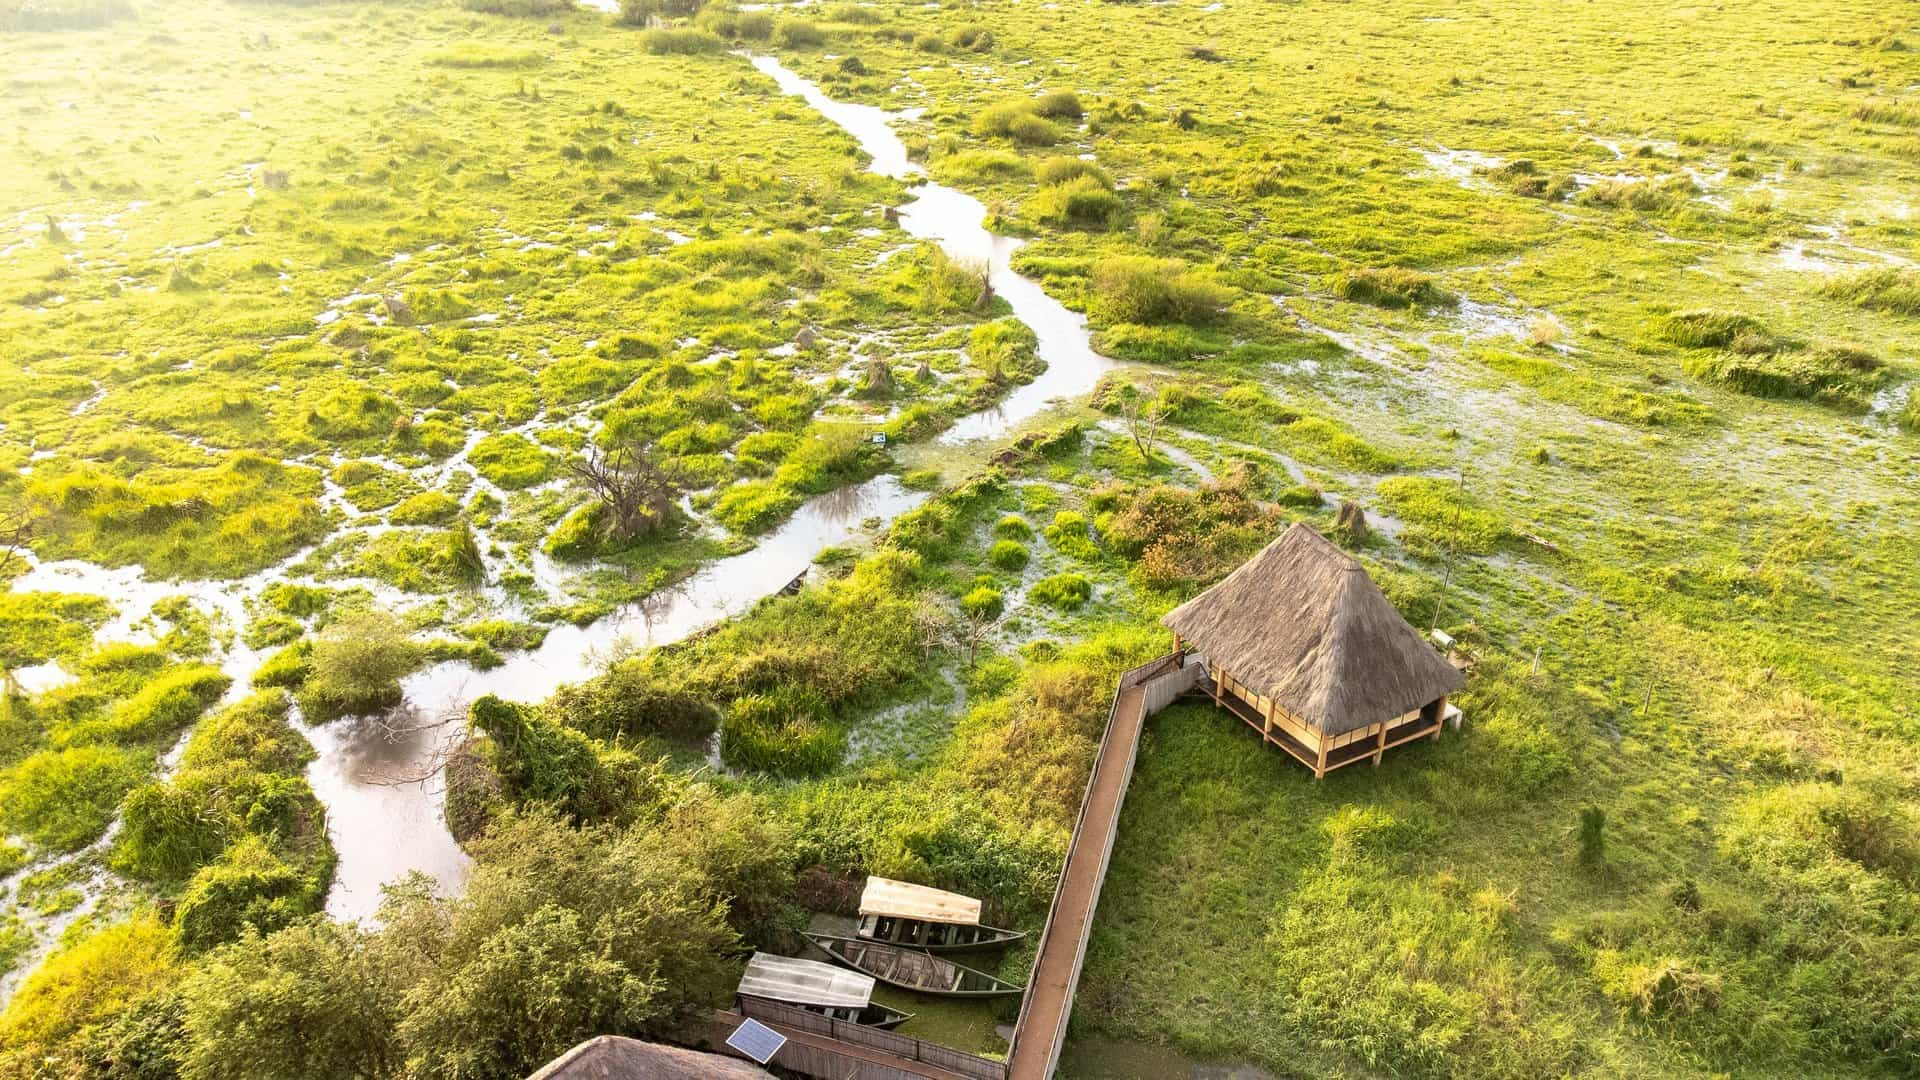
{"x": 906, "y": 1048}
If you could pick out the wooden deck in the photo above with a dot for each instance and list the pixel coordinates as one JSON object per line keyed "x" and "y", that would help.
{"x": 1042, "y": 1027}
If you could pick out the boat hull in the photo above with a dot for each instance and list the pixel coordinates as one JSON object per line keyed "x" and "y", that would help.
{"x": 934, "y": 937}
{"x": 914, "y": 970}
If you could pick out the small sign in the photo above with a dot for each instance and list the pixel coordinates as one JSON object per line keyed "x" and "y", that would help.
{"x": 879, "y": 438}
{"x": 756, "y": 1040}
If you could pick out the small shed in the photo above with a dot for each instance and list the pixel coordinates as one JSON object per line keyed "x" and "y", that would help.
{"x": 1301, "y": 644}
{"x": 615, "y": 1057}
{"x": 888, "y": 898}
{"x": 809, "y": 984}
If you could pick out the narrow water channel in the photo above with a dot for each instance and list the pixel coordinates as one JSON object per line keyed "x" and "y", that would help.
{"x": 382, "y": 795}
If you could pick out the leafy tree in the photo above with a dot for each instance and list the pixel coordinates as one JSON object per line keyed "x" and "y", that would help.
{"x": 319, "y": 1000}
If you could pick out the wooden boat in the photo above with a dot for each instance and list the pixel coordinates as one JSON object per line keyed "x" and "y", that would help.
{"x": 917, "y": 917}
{"x": 815, "y": 987}
{"x": 913, "y": 969}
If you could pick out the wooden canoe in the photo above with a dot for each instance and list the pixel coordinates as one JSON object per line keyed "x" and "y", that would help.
{"x": 875, "y": 1015}
{"x": 935, "y": 937}
{"x": 913, "y": 969}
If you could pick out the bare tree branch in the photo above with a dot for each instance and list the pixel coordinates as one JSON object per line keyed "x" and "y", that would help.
{"x": 637, "y": 496}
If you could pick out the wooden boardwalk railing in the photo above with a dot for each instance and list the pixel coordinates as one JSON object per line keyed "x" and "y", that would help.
{"x": 1042, "y": 1028}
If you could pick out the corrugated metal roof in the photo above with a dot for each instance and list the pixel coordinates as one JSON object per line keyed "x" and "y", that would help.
{"x": 805, "y": 982}
{"x": 905, "y": 900}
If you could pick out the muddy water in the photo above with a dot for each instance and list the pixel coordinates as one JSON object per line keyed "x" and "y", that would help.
{"x": 955, "y": 221}
{"x": 377, "y": 776}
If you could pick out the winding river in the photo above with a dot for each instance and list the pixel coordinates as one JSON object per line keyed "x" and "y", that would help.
{"x": 378, "y": 781}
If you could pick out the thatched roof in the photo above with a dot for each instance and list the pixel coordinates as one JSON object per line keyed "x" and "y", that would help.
{"x": 1303, "y": 624}
{"x": 613, "y": 1057}
{"x": 905, "y": 900}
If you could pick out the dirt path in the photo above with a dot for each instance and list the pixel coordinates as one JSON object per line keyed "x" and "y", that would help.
{"x": 1063, "y": 943}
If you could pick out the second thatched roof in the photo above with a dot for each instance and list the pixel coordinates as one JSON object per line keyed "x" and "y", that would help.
{"x": 1303, "y": 624}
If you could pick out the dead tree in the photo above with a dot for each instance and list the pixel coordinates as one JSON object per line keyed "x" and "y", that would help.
{"x": 635, "y": 495}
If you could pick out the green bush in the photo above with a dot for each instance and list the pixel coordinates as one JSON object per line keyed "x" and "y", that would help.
{"x": 426, "y": 508}
{"x": 250, "y": 888}
{"x": 1013, "y": 527}
{"x": 1018, "y": 120}
{"x": 680, "y": 40}
{"x": 513, "y": 462}
{"x": 1070, "y": 535}
{"x": 356, "y": 665}
{"x": 1063, "y": 591}
{"x": 1062, "y": 169}
{"x": 1390, "y": 287}
{"x": 629, "y": 701}
{"x": 1059, "y": 105}
{"x": 983, "y": 602}
{"x": 783, "y": 732}
{"x": 972, "y": 37}
{"x": 1137, "y": 289}
{"x": 1082, "y": 201}
{"x": 1008, "y": 555}
{"x": 798, "y": 34}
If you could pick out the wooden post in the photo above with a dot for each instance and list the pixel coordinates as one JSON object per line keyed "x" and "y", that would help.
{"x": 1320, "y": 766}
{"x": 1380, "y": 745}
{"x": 1439, "y": 717}
{"x": 1179, "y": 658}
{"x": 1219, "y": 677}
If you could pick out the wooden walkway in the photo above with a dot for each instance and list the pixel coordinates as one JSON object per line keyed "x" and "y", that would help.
{"x": 1042, "y": 1027}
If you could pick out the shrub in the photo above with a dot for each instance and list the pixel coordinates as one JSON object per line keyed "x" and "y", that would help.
{"x": 783, "y": 732}
{"x": 251, "y": 888}
{"x": 1016, "y": 120}
{"x": 1013, "y": 527}
{"x": 1062, "y": 169}
{"x": 798, "y": 34}
{"x": 1070, "y": 535}
{"x": 1895, "y": 113}
{"x": 1593, "y": 835}
{"x": 1008, "y": 555}
{"x": 1390, "y": 287}
{"x": 680, "y": 40}
{"x": 1082, "y": 201}
{"x": 1063, "y": 591}
{"x": 983, "y": 602}
{"x": 1059, "y": 105}
{"x": 971, "y": 37}
{"x": 540, "y": 761}
{"x": 1136, "y": 289}
{"x": 629, "y": 701}
{"x": 356, "y": 666}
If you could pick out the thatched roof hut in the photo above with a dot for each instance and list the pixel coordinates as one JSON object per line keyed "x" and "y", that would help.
{"x": 1301, "y": 644}
{"x": 613, "y": 1057}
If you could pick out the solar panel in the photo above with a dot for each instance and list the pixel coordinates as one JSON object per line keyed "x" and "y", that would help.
{"x": 756, "y": 1040}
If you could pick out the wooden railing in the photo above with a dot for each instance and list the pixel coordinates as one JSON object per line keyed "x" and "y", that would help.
{"x": 871, "y": 1038}
{"x": 1153, "y": 700}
